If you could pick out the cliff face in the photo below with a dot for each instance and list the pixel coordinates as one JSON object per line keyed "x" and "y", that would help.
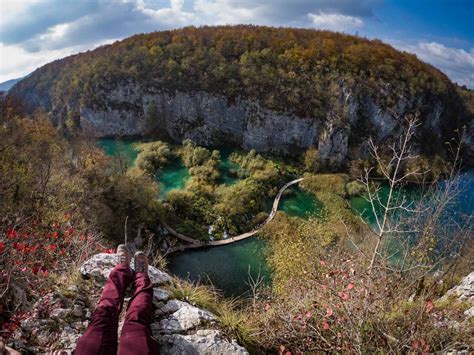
{"x": 206, "y": 119}
{"x": 129, "y": 109}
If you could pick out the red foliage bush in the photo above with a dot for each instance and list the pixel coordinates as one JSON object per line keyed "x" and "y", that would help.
{"x": 32, "y": 255}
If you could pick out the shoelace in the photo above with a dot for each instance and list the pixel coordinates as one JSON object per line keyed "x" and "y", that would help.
{"x": 122, "y": 258}
{"x": 140, "y": 266}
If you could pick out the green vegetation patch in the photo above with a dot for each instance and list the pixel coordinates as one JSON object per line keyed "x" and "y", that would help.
{"x": 330, "y": 189}
{"x": 205, "y": 207}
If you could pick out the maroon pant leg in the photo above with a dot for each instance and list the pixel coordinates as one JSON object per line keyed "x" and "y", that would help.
{"x": 136, "y": 333}
{"x": 101, "y": 335}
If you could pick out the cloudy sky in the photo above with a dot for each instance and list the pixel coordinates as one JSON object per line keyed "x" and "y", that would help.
{"x": 35, "y": 32}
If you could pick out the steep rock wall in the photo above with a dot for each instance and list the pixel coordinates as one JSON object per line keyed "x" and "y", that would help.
{"x": 131, "y": 110}
{"x": 204, "y": 118}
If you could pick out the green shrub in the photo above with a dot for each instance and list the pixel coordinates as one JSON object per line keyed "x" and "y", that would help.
{"x": 355, "y": 188}
{"x": 153, "y": 156}
{"x": 312, "y": 161}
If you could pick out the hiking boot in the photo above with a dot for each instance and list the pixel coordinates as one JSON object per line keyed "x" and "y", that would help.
{"x": 141, "y": 262}
{"x": 123, "y": 255}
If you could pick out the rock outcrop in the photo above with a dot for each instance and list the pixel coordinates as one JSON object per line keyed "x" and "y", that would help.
{"x": 58, "y": 319}
{"x": 210, "y": 120}
{"x": 464, "y": 292}
{"x": 202, "y": 342}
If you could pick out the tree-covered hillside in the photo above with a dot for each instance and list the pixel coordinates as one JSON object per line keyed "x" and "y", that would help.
{"x": 285, "y": 69}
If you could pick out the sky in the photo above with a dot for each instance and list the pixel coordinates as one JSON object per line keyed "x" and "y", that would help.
{"x": 35, "y": 32}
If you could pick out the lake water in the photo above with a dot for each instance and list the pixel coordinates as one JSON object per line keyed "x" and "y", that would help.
{"x": 122, "y": 148}
{"x": 462, "y": 205}
{"x": 227, "y": 168}
{"x": 172, "y": 177}
{"x": 227, "y": 267}
{"x": 300, "y": 203}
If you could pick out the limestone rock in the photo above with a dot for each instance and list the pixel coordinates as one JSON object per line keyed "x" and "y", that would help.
{"x": 158, "y": 277}
{"x": 77, "y": 311}
{"x": 100, "y": 265}
{"x": 186, "y": 317}
{"x": 160, "y": 295}
{"x": 469, "y": 312}
{"x": 59, "y": 313}
{"x": 172, "y": 306}
{"x": 465, "y": 290}
{"x": 202, "y": 342}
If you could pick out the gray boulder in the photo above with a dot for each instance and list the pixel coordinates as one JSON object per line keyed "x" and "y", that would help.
{"x": 185, "y": 318}
{"x": 208, "y": 341}
{"x": 465, "y": 290}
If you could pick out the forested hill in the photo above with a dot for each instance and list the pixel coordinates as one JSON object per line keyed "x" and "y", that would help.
{"x": 324, "y": 77}
{"x": 286, "y": 69}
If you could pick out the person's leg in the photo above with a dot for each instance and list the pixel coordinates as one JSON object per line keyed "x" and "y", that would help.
{"x": 101, "y": 335}
{"x": 136, "y": 333}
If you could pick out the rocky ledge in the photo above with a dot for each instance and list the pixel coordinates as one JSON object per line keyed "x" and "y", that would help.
{"x": 58, "y": 319}
{"x": 464, "y": 292}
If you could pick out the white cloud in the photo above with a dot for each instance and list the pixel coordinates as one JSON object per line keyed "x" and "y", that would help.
{"x": 177, "y": 5}
{"x": 16, "y": 62}
{"x": 231, "y": 11}
{"x": 168, "y": 17}
{"x": 335, "y": 22}
{"x": 457, "y": 63}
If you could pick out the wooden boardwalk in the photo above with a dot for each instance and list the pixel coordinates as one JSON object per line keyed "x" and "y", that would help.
{"x": 194, "y": 243}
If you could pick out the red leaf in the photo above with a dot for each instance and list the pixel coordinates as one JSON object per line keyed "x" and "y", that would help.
{"x": 426, "y": 349}
{"x": 350, "y": 286}
{"x": 344, "y": 295}
{"x": 11, "y": 233}
{"x": 282, "y": 348}
{"x": 267, "y": 307}
{"x": 308, "y": 314}
{"x": 326, "y": 325}
{"x": 329, "y": 312}
{"x": 429, "y": 306}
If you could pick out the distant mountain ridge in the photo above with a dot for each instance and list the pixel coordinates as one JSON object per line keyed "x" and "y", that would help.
{"x": 278, "y": 90}
{"x": 7, "y": 85}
